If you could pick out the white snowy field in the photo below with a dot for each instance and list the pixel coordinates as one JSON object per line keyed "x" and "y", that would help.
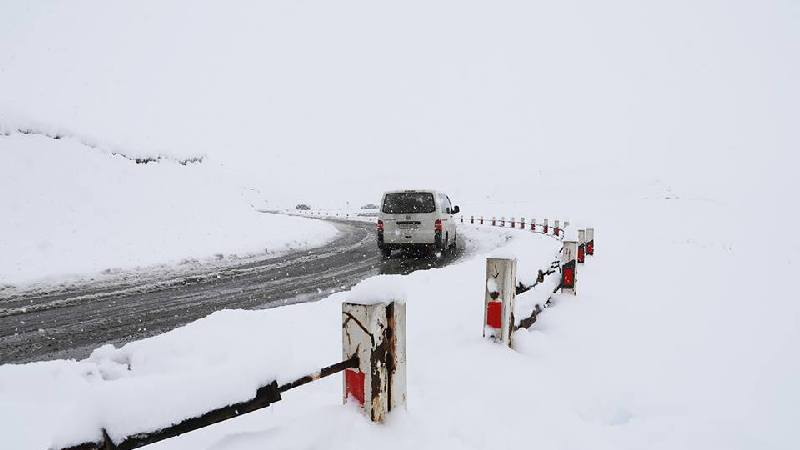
{"x": 671, "y": 127}
{"x": 676, "y": 339}
{"x": 72, "y": 211}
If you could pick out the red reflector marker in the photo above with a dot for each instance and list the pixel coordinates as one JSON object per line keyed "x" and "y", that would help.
{"x": 354, "y": 385}
{"x": 568, "y": 277}
{"x": 494, "y": 314}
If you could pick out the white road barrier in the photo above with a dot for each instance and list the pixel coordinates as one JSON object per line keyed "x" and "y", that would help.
{"x": 376, "y": 334}
{"x": 568, "y": 267}
{"x": 501, "y": 279}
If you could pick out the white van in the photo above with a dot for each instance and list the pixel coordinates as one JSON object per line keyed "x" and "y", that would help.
{"x": 416, "y": 218}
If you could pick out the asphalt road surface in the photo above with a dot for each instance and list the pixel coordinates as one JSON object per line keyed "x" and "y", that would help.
{"x": 70, "y": 322}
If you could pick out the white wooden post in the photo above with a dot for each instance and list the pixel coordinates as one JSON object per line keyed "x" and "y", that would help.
{"x": 376, "y": 333}
{"x": 581, "y": 246}
{"x": 545, "y": 226}
{"x": 501, "y": 281}
{"x": 556, "y": 228}
{"x": 590, "y": 241}
{"x": 568, "y": 252}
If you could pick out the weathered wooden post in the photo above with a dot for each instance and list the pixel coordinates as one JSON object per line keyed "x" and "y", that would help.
{"x": 568, "y": 252}
{"x": 481, "y": 220}
{"x": 581, "y": 246}
{"x": 376, "y": 333}
{"x": 503, "y": 221}
{"x": 533, "y": 224}
{"x": 501, "y": 281}
{"x": 590, "y": 241}
{"x": 556, "y": 229}
{"x": 513, "y": 222}
{"x": 545, "y": 226}
{"x": 494, "y": 221}
{"x": 472, "y": 219}
{"x": 521, "y": 223}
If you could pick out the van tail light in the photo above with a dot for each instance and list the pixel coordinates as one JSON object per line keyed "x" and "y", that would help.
{"x": 380, "y": 225}
{"x": 438, "y": 225}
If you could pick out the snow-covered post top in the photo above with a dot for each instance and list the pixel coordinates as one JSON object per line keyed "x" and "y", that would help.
{"x": 581, "y": 246}
{"x": 590, "y": 241}
{"x": 501, "y": 280}
{"x": 376, "y": 333}
{"x": 569, "y": 251}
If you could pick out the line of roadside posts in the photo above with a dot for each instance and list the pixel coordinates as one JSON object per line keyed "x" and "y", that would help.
{"x": 499, "y": 323}
{"x": 374, "y": 344}
{"x": 522, "y": 224}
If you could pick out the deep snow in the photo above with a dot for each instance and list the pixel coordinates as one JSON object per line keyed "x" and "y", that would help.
{"x": 73, "y": 211}
{"x": 670, "y": 127}
{"x": 649, "y": 354}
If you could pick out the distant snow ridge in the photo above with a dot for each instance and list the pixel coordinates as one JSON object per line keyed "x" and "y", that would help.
{"x": 137, "y": 157}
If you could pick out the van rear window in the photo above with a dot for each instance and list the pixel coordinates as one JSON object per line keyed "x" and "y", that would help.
{"x": 409, "y": 203}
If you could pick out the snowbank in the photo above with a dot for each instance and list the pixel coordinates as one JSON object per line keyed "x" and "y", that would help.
{"x": 215, "y": 361}
{"x": 69, "y": 209}
{"x": 650, "y": 354}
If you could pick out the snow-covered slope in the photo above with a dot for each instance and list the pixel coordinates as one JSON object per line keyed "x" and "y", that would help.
{"x": 72, "y": 210}
{"x": 667, "y": 345}
{"x": 671, "y": 127}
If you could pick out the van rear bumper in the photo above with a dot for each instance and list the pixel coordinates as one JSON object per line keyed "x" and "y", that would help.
{"x": 434, "y": 240}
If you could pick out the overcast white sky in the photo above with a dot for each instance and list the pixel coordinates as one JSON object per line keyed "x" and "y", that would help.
{"x": 322, "y": 101}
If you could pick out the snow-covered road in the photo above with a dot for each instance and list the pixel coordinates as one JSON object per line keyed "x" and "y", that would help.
{"x": 71, "y": 322}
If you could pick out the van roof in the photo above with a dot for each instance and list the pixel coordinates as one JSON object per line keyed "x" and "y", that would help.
{"x": 432, "y": 191}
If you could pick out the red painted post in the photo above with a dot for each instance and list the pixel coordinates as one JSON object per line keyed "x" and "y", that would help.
{"x": 533, "y": 224}
{"x": 568, "y": 266}
{"x": 556, "y": 229}
{"x": 376, "y": 334}
{"x": 545, "y": 226}
{"x": 590, "y": 241}
{"x": 581, "y": 246}
{"x": 501, "y": 289}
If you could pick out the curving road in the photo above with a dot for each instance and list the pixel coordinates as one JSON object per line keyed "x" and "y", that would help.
{"x": 70, "y": 322}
